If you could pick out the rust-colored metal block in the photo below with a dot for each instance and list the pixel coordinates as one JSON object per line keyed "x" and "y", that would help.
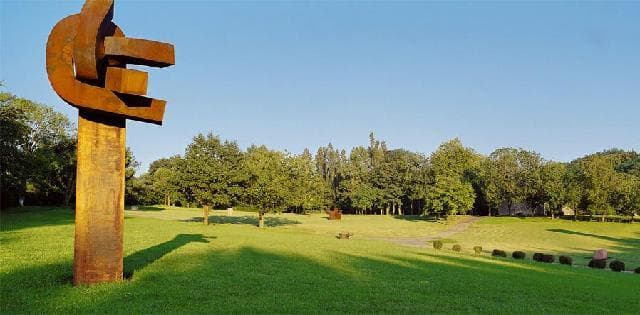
{"x": 139, "y": 51}
{"x": 126, "y": 81}
{"x": 99, "y": 199}
{"x": 106, "y": 93}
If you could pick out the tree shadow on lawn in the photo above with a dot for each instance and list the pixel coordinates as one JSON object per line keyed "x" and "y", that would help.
{"x": 269, "y": 221}
{"x": 251, "y": 280}
{"x": 416, "y": 218}
{"x": 624, "y": 247}
{"x": 146, "y": 208}
{"x": 565, "y": 231}
{"x": 29, "y": 217}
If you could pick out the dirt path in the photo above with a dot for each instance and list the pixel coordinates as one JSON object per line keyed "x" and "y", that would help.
{"x": 422, "y": 240}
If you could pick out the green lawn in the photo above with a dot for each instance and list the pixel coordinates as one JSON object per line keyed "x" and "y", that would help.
{"x": 296, "y": 265}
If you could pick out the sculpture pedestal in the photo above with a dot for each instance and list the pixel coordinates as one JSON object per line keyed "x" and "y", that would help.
{"x": 99, "y": 199}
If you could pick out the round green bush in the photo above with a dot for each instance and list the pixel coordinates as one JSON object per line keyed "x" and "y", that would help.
{"x": 548, "y": 258}
{"x": 637, "y": 270}
{"x": 518, "y": 255}
{"x": 598, "y": 263}
{"x": 566, "y": 260}
{"x": 616, "y": 265}
{"x": 457, "y": 248}
{"x": 537, "y": 256}
{"x": 477, "y": 250}
{"x": 498, "y": 253}
{"x": 437, "y": 244}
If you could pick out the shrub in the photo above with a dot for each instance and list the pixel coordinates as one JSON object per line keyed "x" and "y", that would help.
{"x": 498, "y": 253}
{"x": 537, "y": 256}
{"x": 616, "y": 265}
{"x": 566, "y": 260}
{"x": 637, "y": 270}
{"x": 437, "y": 244}
{"x": 548, "y": 258}
{"x": 457, "y": 248}
{"x": 598, "y": 263}
{"x": 518, "y": 255}
{"x": 477, "y": 250}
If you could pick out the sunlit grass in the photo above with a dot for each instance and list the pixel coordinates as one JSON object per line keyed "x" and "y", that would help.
{"x": 234, "y": 267}
{"x": 560, "y": 237}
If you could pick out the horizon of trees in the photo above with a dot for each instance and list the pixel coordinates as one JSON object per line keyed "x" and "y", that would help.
{"x": 38, "y": 167}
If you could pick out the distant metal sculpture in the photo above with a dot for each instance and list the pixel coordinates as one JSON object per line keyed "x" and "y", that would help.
{"x": 87, "y": 56}
{"x": 335, "y": 214}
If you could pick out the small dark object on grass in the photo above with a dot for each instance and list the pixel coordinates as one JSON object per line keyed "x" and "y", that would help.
{"x": 598, "y": 263}
{"x": 345, "y": 236}
{"x": 477, "y": 250}
{"x": 637, "y": 270}
{"x": 457, "y": 248}
{"x": 566, "y": 260}
{"x": 546, "y": 258}
{"x": 616, "y": 265}
{"x": 518, "y": 255}
{"x": 537, "y": 256}
{"x": 437, "y": 244}
{"x": 498, "y": 253}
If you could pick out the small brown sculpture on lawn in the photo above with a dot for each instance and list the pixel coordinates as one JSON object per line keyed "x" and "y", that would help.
{"x": 335, "y": 214}
{"x": 87, "y": 55}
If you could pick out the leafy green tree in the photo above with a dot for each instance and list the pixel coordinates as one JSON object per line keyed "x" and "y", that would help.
{"x": 449, "y": 195}
{"x": 330, "y": 163}
{"x": 554, "y": 193}
{"x": 37, "y": 144}
{"x": 513, "y": 176}
{"x": 267, "y": 179}
{"x": 451, "y": 191}
{"x": 211, "y": 171}
{"x": 306, "y": 186}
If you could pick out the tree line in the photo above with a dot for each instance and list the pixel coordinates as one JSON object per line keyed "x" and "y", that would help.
{"x": 38, "y": 160}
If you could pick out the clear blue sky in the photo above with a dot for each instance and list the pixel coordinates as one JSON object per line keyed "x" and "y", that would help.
{"x": 562, "y": 79}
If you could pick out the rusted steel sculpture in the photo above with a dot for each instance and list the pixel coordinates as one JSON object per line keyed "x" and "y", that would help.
{"x": 87, "y": 56}
{"x": 335, "y": 214}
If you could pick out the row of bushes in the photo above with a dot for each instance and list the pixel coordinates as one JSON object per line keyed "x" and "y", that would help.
{"x": 615, "y": 265}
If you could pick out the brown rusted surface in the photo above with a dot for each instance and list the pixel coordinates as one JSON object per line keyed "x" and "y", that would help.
{"x": 139, "y": 51}
{"x": 335, "y": 214}
{"x": 95, "y": 19}
{"x": 106, "y": 94}
{"x": 99, "y": 198}
{"x": 126, "y": 81}
{"x": 64, "y": 42}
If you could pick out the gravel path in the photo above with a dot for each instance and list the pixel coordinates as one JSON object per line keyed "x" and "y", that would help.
{"x": 422, "y": 240}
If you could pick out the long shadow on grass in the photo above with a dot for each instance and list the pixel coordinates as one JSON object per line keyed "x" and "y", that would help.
{"x": 146, "y": 208}
{"x": 252, "y": 280}
{"x": 247, "y": 220}
{"x": 624, "y": 248}
{"x": 565, "y": 231}
{"x": 28, "y": 217}
{"x": 141, "y": 259}
{"x": 416, "y": 218}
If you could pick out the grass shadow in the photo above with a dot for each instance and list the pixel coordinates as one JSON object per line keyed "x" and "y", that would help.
{"x": 29, "y": 217}
{"x": 246, "y": 220}
{"x": 145, "y": 208}
{"x": 141, "y": 259}
{"x": 603, "y": 237}
{"x": 416, "y": 218}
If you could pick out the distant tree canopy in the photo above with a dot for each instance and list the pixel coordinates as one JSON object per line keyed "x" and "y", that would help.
{"x": 38, "y": 153}
{"x": 38, "y": 167}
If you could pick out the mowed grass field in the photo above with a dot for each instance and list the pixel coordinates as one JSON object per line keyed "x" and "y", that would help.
{"x": 296, "y": 265}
